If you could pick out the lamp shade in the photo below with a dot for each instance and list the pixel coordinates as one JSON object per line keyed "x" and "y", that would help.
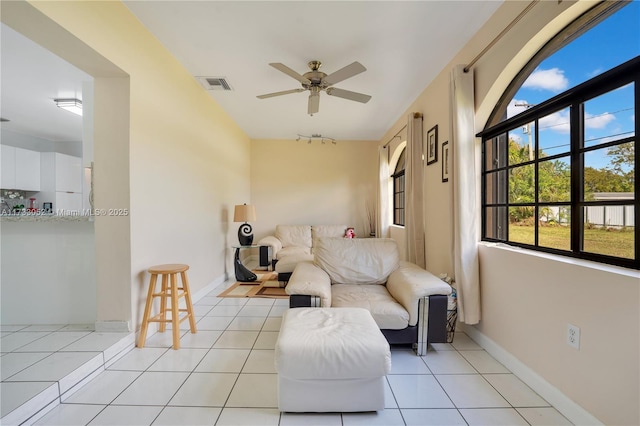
{"x": 244, "y": 213}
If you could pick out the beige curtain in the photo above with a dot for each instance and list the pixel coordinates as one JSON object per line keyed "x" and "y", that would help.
{"x": 414, "y": 195}
{"x": 383, "y": 204}
{"x": 464, "y": 186}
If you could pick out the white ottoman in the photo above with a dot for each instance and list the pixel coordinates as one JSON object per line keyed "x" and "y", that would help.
{"x": 331, "y": 360}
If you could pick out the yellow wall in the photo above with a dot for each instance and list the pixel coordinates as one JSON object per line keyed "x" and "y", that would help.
{"x": 185, "y": 167}
{"x": 294, "y": 182}
{"x": 528, "y": 300}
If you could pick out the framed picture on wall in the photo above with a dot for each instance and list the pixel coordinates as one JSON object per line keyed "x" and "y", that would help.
{"x": 432, "y": 145}
{"x": 445, "y": 161}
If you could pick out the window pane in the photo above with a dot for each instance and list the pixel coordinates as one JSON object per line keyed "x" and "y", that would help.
{"x": 495, "y": 152}
{"x": 554, "y": 230}
{"x": 521, "y": 184}
{"x": 494, "y": 219}
{"x": 521, "y": 225}
{"x": 609, "y": 117}
{"x": 609, "y": 173}
{"x": 554, "y": 180}
{"x": 496, "y": 187}
{"x": 519, "y": 151}
{"x": 609, "y": 230}
{"x": 553, "y": 134}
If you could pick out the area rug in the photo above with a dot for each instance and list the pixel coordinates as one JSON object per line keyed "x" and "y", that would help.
{"x": 265, "y": 286}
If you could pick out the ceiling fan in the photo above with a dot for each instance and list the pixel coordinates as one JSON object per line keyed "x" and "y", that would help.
{"x": 316, "y": 81}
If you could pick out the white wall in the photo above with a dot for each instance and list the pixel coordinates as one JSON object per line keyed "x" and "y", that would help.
{"x": 48, "y": 273}
{"x": 33, "y": 143}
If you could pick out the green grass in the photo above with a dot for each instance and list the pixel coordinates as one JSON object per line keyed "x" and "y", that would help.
{"x": 619, "y": 243}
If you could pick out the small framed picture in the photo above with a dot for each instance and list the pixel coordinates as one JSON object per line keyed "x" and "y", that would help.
{"x": 445, "y": 161}
{"x": 432, "y": 145}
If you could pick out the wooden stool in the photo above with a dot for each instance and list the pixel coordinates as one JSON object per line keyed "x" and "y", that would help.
{"x": 171, "y": 291}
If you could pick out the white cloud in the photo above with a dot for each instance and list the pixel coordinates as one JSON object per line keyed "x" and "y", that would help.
{"x": 599, "y": 121}
{"x": 552, "y": 79}
{"x": 515, "y": 107}
{"x": 558, "y": 122}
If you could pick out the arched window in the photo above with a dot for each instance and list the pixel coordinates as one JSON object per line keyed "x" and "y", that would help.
{"x": 398, "y": 190}
{"x": 559, "y": 156}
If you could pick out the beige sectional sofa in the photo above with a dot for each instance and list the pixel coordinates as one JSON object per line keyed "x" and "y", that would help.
{"x": 292, "y": 244}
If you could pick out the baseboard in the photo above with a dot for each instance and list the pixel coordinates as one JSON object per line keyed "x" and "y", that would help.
{"x": 571, "y": 410}
{"x": 113, "y": 326}
{"x": 208, "y": 288}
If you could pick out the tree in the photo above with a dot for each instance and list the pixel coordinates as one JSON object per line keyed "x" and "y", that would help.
{"x": 605, "y": 180}
{"x": 622, "y": 160}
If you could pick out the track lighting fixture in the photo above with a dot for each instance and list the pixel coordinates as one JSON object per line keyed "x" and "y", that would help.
{"x": 317, "y": 136}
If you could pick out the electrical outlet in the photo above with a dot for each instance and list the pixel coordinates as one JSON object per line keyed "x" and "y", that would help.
{"x": 573, "y": 336}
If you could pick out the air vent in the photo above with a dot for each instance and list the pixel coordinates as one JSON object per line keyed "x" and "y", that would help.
{"x": 214, "y": 83}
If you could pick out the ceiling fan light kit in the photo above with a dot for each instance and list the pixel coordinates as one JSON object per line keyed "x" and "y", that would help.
{"x": 316, "y": 81}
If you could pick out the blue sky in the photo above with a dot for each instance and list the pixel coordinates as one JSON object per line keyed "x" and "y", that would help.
{"x": 612, "y": 42}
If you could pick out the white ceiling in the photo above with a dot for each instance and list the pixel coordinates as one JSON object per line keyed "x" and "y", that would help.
{"x": 403, "y": 45}
{"x": 32, "y": 77}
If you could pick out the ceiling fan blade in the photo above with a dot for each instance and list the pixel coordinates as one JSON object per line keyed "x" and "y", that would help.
{"x": 344, "y": 73}
{"x": 285, "y": 92}
{"x": 314, "y": 103}
{"x": 347, "y": 94}
{"x": 291, "y": 73}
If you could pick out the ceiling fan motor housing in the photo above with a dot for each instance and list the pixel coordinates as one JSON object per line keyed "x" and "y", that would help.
{"x": 314, "y": 76}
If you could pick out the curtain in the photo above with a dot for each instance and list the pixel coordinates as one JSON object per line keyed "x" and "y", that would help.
{"x": 383, "y": 204}
{"x": 464, "y": 187}
{"x": 414, "y": 195}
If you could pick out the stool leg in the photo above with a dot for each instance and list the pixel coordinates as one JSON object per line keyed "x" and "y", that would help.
{"x": 147, "y": 311}
{"x": 187, "y": 298}
{"x": 175, "y": 312}
{"x": 163, "y": 302}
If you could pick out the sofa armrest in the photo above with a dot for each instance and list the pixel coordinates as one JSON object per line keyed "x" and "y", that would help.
{"x": 307, "y": 279}
{"x": 272, "y": 242}
{"x": 409, "y": 283}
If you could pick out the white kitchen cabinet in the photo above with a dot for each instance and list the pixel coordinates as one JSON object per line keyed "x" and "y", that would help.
{"x": 61, "y": 181}
{"x": 67, "y": 201}
{"x": 69, "y": 174}
{"x": 27, "y": 170}
{"x": 20, "y": 169}
{"x": 8, "y": 163}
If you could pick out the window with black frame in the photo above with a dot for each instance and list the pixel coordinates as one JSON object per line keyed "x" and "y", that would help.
{"x": 398, "y": 190}
{"x": 559, "y": 157}
{"x": 572, "y": 192}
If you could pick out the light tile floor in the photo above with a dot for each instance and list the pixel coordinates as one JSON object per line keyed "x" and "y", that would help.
{"x": 224, "y": 375}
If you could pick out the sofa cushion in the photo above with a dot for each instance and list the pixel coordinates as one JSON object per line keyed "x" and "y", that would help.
{"x": 387, "y": 313}
{"x": 321, "y": 231}
{"x": 287, "y": 264}
{"x": 358, "y": 260}
{"x": 294, "y": 235}
{"x": 294, "y": 252}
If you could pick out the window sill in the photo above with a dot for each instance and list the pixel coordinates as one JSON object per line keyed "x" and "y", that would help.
{"x": 603, "y": 267}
